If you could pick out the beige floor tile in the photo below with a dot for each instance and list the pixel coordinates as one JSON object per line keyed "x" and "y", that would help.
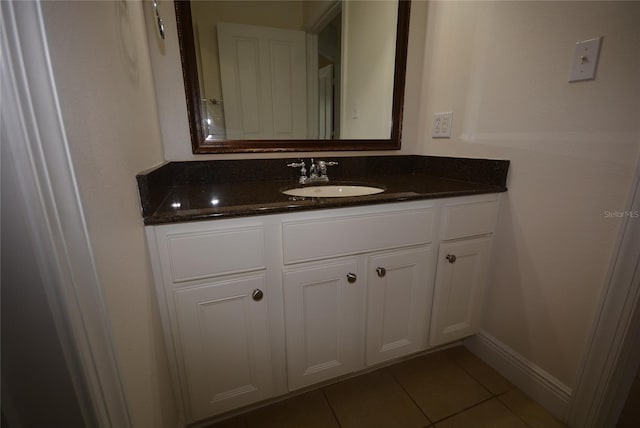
{"x": 374, "y": 400}
{"x": 528, "y": 410}
{"x": 438, "y": 386}
{"x": 309, "y": 410}
{"x": 481, "y": 371}
{"x": 237, "y": 422}
{"x": 490, "y": 414}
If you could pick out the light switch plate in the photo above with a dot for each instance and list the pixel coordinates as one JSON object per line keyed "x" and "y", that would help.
{"x": 585, "y": 60}
{"x": 442, "y": 125}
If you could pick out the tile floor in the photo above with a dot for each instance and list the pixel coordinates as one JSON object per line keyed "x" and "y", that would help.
{"x": 450, "y": 388}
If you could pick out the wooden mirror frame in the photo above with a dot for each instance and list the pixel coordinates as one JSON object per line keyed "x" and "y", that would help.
{"x": 191, "y": 85}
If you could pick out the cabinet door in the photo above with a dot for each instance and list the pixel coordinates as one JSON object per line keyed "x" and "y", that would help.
{"x": 399, "y": 303}
{"x": 225, "y": 343}
{"x": 324, "y": 321}
{"x": 460, "y": 289}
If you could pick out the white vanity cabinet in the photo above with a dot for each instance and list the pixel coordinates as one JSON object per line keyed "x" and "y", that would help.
{"x": 345, "y": 313}
{"x": 331, "y": 264}
{"x": 463, "y": 265}
{"x": 212, "y": 286}
{"x": 255, "y": 307}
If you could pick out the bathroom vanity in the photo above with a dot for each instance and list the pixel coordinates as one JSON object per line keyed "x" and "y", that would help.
{"x": 302, "y": 291}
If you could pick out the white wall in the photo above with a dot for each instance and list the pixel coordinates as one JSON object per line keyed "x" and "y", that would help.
{"x": 167, "y": 72}
{"x": 502, "y": 68}
{"x": 102, "y": 70}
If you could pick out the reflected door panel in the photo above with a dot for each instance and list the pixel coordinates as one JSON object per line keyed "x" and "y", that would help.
{"x": 263, "y": 74}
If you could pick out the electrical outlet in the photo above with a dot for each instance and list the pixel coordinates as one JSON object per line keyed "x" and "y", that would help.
{"x": 355, "y": 111}
{"x": 442, "y": 125}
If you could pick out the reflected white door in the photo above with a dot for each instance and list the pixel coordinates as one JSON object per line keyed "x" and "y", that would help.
{"x": 263, "y": 74}
{"x": 325, "y": 102}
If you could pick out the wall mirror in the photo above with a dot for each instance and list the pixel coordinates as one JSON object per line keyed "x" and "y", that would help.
{"x": 293, "y": 75}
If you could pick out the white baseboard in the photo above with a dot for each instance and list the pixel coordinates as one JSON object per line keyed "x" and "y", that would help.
{"x": 531, "y": 379}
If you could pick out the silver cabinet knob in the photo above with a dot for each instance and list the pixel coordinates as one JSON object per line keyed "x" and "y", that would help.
{"x": 381, "y": 271}
{"x": 257, "y": 295}
{"x": 351, "y": 277}
{"x": 451, "y": 258}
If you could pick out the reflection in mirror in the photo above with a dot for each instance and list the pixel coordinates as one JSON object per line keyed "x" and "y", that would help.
{"x": 260, "y": 72}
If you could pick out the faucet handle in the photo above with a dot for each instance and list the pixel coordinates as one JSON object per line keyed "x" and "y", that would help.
{"x": 322, "y": 166}
{"x": 325, "y": 164}
{"x": 303, "y": 170}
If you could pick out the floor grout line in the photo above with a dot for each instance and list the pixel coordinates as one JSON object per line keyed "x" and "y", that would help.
{"x": 465, "y": 409}
{"x": 493, "y": 395}
{"x": 408, "y": 395}
{"x": 472, "y": 376}
{"x": 514, "y": 413}
{"x": 333, "y": 412}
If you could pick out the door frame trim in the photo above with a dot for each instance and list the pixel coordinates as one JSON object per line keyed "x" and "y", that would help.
{"x": 612, "y": 353}
{"x": 54, "y": 214}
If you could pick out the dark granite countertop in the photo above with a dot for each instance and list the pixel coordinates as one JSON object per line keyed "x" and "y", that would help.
{"x": 205, "y": 190}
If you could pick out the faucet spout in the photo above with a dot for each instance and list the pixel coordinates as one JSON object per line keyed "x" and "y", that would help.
{"x": 313, "y": 171}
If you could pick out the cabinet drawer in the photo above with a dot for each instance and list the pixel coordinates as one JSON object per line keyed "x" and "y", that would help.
{"x": 469, "y": 219}
{"x": 204, "y": 254}
{"x": 327, "y": 237}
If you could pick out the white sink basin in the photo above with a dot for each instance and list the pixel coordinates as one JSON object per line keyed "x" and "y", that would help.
{"x": 334, "y": 191}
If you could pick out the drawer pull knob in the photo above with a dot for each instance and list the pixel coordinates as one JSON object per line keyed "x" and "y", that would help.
{"x": 351, "y": 277}
{"x": 257, "y": 295}
{"x": 451, "y": 258}
{"x": 381, "y": 271}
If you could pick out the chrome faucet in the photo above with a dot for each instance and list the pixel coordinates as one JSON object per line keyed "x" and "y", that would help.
{"x": 303, "y": 170}
{"x": 317, "y": 171}
{"x": 313, "y": 171}
{"x": 322, "y": 166}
